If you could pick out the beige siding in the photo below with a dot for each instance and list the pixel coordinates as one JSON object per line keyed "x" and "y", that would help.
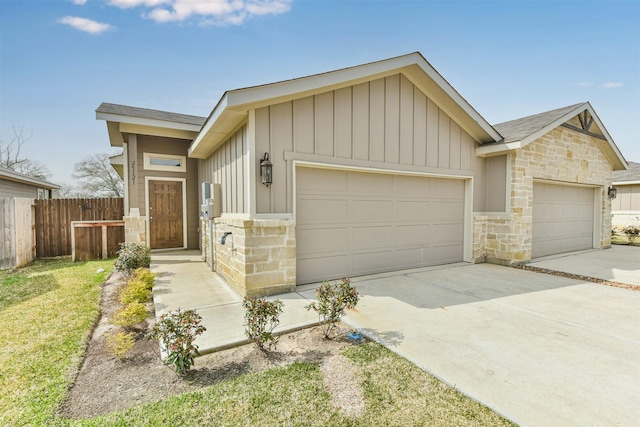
{"x": 17, "y": 189}
{"x": 149, "y": 144}
{"x": 496, "y": 179}
{"x": 386, "y": 123}
{"x": 628, "y": 198}
{"x": 226, "y": 166}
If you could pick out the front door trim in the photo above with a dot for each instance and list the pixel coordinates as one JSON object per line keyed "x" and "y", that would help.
{"x": 183, "y": 181}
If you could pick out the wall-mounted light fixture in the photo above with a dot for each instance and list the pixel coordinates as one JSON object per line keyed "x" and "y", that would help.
{"x": 266, "y": 168}
{"x": 612, "y": 192}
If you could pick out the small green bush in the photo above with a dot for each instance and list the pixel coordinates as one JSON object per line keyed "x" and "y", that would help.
{"x": 632, "y": 232}
{"x": 132, "y": 256}
{"x": 129, "y": 315}
{"x": 135, "y": 291}
{"x": 144, "y": 275}
{"x": 177, "y": 331}
{"x": 333, "y": 301}
{"x": 120, "y": 343}
{"x": 261, "y": 317}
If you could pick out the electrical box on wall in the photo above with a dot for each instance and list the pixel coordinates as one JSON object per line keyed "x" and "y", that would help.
{"x": 212, "y": 205}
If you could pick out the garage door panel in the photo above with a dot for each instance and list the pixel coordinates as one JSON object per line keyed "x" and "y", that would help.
{"x": 372, "y": 236}
{"x": 372, "y": 210}
{"x": 320, "y": 268}
{"x": 562, "y": 218}
{"x": 322, "y": 210}
{"x": 371, "y": 261}
{"x": 413, "y": 233}
{"x": 448, "y": 210}
{"x": 321, "y": 239}
{"x": 318, "y": 180}
{"x": 413, "y": 210}
{"x": 369, "y": 183}
{"x": 383, "y": 222}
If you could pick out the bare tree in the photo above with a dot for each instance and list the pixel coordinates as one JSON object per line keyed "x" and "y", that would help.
{"x": 11, "y": 158}
{"x": 97, "y": 178}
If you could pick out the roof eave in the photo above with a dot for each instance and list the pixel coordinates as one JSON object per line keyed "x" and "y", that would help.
{"x": 118, "y": 124}
{"x": 610, "y": 150}
{"x": 234, "y": 105}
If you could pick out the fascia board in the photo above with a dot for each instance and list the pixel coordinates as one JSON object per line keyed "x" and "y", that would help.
{"x": 497, "y": 149}
{"x": 618, "y": 160}
{"x": 626, "y": 183}
{"x": 146, "y": 122}
{"x": 16, "y": 177}
{"x": 156, "y": 131}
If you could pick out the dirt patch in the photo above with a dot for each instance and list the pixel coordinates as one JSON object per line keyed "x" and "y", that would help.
{"x": 577, "y": 277}
{"x": 105, "y": 383}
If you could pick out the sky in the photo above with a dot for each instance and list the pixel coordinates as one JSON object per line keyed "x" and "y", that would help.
{"x": 59, "y": 59}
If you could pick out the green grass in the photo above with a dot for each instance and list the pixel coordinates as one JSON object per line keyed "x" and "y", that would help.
{"x": 624, "y": 240}
{"x": 46, "y": 312}
{"x": 51, "y": 306}
{"x": 397, "y": 393}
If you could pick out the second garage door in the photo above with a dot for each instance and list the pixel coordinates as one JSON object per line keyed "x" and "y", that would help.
{"x": 352, "y": 223}
{"x": 562, "y": 219}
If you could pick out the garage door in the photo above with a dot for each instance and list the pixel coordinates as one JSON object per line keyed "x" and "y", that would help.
{"x": 354, "y": 223}
{"x": 562, "y": 219}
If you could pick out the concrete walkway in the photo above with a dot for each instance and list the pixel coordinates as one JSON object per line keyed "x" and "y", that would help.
{"x": 185, "y": 281}
{"x": 540, "y": 349}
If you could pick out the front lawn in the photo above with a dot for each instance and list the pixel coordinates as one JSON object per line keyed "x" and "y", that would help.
{"x": 46, "y": 311}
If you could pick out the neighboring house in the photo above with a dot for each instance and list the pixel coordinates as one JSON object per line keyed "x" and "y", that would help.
{"x": 376, "y": 168}
{"x": 625, "y": 208}
{"x": 14, "y": 184}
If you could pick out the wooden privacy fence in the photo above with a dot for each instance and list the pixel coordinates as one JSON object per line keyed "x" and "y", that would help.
{"x": 85, "y": 246}
{"x": 53, "y": 225}
{"x": 17, "y": 232}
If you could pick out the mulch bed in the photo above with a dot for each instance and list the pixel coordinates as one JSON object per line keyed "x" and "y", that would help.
{"x": 578, "y": 277}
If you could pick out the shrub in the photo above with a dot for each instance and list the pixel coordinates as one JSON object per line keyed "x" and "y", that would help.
{"x": 135, "y": 291}
{"x": 120, "y": 343}
{"x": 132, "y": 256}
{"x": 177, "y": 331}
{"x": 129, "y": 315}
{"x": 144, "y": 275}
{"x": 261, "y": 317}
{"x": 632, "y": 232}
{"x": 333, "y": 301}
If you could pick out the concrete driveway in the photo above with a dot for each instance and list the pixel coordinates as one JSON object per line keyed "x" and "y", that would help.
{"x": 542, "y": 350}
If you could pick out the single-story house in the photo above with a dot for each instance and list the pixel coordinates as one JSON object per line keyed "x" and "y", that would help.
{"x": 14, "y": 184}
{"x": 374, "y": 168}
{"x": 625, "y": 208}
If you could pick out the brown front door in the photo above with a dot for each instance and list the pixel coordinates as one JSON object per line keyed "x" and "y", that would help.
{"x": 165, "y": 214}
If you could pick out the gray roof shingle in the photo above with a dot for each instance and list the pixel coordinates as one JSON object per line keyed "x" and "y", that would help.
{"x": 17, "y": 176}
{"x": 518, "y": 129}
{"x": 125, "y": 110}
{"x": 631, "y": 174}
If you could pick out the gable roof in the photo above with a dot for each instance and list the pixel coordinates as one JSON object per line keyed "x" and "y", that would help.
{"x": 125, "y": 119}
{"x": 630, "y": 176}
{"x": 234, "y": 106}
{"x": 12, "y": 175}
{"x": 521, "y": 132}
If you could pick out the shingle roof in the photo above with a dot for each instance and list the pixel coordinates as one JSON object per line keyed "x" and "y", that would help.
{"x": 16, "y": 176}
{"x": 125, "y": 110}
{"x": 631, "y": 174}
{"x": 518, "y": 129}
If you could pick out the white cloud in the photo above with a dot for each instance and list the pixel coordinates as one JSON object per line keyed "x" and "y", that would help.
{"x": 216, "y": 12}
{"x": 79, "y": 2}
{"x": 127, "y": 4}
{"x": 612, "y": 85}
{"x": 584, "y": 84}
{"x": 86, "y": 25}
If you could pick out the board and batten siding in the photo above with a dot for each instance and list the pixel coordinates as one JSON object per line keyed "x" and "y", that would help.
{"x": 627, "y": 199}
{"x": 386, "y": 123}
{"x": 178, "y": 147}
{"x": 227, "y": 167}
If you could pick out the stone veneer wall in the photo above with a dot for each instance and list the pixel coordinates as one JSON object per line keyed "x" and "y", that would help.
{"x": 135, "y": 227}
{"x": 562, "y": 155}
{"x": 258, "y": 257}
